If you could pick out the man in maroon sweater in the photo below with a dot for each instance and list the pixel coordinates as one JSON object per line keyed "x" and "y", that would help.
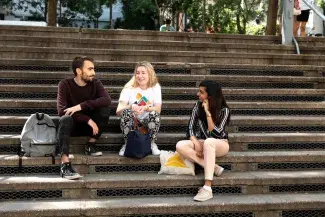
{"x": 82, "y": 104}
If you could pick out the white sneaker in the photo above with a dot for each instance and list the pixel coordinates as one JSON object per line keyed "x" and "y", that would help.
{"x": 122, "y": 150}
{"x": 154, "y": 149}
{"x": 203, "y": 195}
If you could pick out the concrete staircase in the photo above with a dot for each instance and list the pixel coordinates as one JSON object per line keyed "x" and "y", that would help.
{"x": 276, "y": 164}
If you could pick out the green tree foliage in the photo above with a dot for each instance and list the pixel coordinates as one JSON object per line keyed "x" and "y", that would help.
{"x": 233, "y": 16}
{"x": 39, "y": 11}
{"x": 139, "y": 14}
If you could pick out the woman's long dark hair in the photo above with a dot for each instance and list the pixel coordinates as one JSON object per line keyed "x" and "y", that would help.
{"x": 216, "y": 101}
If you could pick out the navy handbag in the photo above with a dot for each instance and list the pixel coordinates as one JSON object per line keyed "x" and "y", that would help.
{"x": 138, "y": 144}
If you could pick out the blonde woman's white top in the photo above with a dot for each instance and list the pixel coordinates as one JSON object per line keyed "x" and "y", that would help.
{"x": 150, "y": 97}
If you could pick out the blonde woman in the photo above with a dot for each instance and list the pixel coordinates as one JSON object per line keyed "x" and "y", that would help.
{"x": 141, "y": 97}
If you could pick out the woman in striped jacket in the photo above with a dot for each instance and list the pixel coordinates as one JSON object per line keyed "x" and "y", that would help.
{"x": 208, "y": 138}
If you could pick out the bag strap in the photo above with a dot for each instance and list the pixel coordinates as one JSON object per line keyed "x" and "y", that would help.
{"x": 135, "y": 122}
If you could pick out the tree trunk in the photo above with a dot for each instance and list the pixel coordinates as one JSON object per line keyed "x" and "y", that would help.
{"x": 271, "y": 17}
{"x": 51, "y": 13}
{"x": 159, "y": 14}
{"x": 111, "y": 14}
{"x": 203, "y": 17}
{"x": 45, "y": 11}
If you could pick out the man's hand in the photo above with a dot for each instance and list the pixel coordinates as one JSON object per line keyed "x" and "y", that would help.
{"x": 70, "y": 111}
{"x": 94, "y": 126}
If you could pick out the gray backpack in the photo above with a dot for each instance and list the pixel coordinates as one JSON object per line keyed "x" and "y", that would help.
{"x": 38, "y": 138}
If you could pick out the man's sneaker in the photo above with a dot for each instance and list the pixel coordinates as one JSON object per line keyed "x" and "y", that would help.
{"x": 218, "y": 170}
{"x": 68, "y": 172}
{"x": 154, "y": 149}
{"x": 122, "y": 150}
{"x": 90, "y": 149}
{"x": 203, "y": 195}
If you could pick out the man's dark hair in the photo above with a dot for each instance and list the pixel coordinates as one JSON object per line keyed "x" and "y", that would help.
{"x": 168, "y": 21}
{"x": 78, "y": 63}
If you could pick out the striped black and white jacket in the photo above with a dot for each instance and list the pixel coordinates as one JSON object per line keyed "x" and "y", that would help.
{"x": 199, "y": 128}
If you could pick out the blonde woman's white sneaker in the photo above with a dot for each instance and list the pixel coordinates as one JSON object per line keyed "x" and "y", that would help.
{"x": 122, "y": 150}
{"x": 154, "y": 149}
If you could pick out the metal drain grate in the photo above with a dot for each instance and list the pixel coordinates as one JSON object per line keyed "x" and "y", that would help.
{"x": 34, "y": 68}
{"x": 28, "y": 95}
{"x": 110, "y": 128}
{"x": 172, "y": 112}
{"x": 165, "y": 83}
{"x": 267, "y": 85}
{"x": 290, "y": 166}
{"x": 9, "y": 170}
{"x": 131, "y": 70}
{"x": 27, "y": 111}
{"x": 304, "y": 213}
{"x": 11, "y": 128}
{"x": 28, "y": 81}
{"x": 163, "y": 191}
{"x": 53, "y": 111}
{"x": 255, "y": 72}
{"x": 9, "y": 149}
{"x": 275, "y": 98}
{"x": 281, "y": 128}
{"x": 116, "y": 148}
{"x": 285, "y": 146}
{"x": 297, "y": 188}
{"x": 127, "y": 168}
{"x": 223, "y": 214}
{"x": 21, "y": 195}
{"x": 115, "y": 96}
{"x": 113, "y": 69}
{"x": 276, "y": 112}
{"x": 172, "y": 71}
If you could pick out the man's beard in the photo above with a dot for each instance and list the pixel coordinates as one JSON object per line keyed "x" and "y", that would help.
{"x": 87, "y": 79}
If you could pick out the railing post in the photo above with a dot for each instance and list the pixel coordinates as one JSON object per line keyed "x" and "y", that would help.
{"x": 287, "y": 21}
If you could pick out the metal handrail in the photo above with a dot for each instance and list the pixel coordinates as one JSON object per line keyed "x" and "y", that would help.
{"x": 315, "y": 10}
{"x": 296, "y": 44}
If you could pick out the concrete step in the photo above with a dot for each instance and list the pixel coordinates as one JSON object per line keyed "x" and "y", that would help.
{"x": 113, "y": 76}
{"x": 78, "y": 33}
{"x": 225, "y": 206}
{"x": 112, "y": 142}
{"x": 112, "y": 162}
{"x": 226, "y": 46}
{"x": 171, "y": 93}
{"x": 135, "y": 184}
{"x": 167, "y": 67}
{"x": 226, "y": 81}
{"x": 25, "y": 107}
{"x": 11, "y": 124}
{"x": 170, "y": 90}
{"x": 120, "y": 44}
{"x": 10, "y": 52}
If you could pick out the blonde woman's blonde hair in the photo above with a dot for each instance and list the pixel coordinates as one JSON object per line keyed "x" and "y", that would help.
{"x": 153, "y": 80}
